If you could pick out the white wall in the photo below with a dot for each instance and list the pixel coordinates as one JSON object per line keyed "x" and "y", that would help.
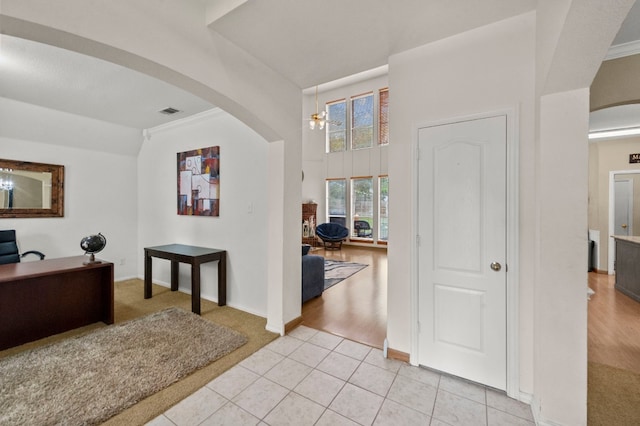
{"x": 100, "y": 189}
{"x": 481, "y": 71}
{"x": 104, "y": 193}
{"x": 241, "y": 228}
{"x": 561, "y": 260}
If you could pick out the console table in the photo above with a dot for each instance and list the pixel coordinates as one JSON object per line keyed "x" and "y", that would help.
{"x": 47, "y": 297}
{"x": 195, "y": 256}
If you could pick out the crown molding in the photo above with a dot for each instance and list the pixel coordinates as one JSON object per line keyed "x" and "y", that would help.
{"x": 352, "y": 79}
{"x": 614, "y": 133}
{"x": 214, "y": 112}
{"x": 622, "y": 50}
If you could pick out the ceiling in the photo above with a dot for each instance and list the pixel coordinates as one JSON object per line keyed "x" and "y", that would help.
{"x": 630, "y": 30}
{"x": 623, "y": 116}
{"x": 312, "y": 42}
{"x": 336, "y": 43}
{"x": 63, "y": 80}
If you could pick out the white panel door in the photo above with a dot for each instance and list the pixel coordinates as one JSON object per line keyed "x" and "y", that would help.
{"x": 462, "y": 249}
{"x": 623, "y": 207}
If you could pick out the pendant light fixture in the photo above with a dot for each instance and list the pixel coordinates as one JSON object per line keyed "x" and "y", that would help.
{"x": 317, "y": 120}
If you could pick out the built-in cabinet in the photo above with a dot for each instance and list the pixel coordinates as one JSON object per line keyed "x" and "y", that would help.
{"x": 628, "y": 266}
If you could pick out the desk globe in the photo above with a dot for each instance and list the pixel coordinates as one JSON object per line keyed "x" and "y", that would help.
{"x": 92, "y": 245}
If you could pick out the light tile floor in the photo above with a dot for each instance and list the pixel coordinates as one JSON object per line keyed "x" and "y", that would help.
{"x": 314, "y": 378}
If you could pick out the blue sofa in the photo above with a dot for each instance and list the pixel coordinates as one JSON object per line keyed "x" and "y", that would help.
{"x": 312, "y": 274}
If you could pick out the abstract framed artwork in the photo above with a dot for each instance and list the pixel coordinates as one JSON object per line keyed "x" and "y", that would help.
{"x": 199, "y": 182}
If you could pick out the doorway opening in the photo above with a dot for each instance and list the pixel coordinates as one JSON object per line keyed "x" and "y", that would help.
{"x": 623, "y": 185}
{"x": 355, "y": 308}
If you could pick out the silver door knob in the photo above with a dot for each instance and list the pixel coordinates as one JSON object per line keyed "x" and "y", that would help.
{"x": 496, "y": 266}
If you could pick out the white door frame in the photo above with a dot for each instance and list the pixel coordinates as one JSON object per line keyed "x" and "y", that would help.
{"x": 629, "y": 212}
{"x": 611, "y": 251}
{"x": 512, "y": 228}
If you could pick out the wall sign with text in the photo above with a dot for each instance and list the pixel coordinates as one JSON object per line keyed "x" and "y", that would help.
{"x": 634, "y": 158}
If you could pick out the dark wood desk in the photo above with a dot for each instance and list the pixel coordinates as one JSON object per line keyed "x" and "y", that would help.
{"x": 47, "y": 297}
{"x": 194, "y": 256}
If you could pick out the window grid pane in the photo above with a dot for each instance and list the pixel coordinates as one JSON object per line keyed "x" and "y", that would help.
{"x": 337, "y": 201}
{"x": 336, "y": 127}
{"x": 362, "y": 122}
{"x": 362, "y": 207}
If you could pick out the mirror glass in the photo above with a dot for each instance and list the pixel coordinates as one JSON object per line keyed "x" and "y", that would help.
{"x": 31, "y": 189}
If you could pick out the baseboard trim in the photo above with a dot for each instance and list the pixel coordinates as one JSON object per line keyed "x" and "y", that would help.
{"x": 398, "y": 355}
{"x": 540, "y": 421}
{"x": 292, "y": 324}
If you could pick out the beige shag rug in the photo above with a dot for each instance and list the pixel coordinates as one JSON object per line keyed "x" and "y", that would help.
{"x": 614, "y": 396}
{"x": 89, "y": 378}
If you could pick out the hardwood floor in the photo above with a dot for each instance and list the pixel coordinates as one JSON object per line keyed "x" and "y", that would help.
{"x": 614, "y": 325}
{"x": 355, "y": 308}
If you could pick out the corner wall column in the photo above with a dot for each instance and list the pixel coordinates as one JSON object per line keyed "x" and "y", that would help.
{"x": 560, "y": 357}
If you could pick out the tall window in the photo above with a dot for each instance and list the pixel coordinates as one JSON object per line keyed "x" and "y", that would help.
{"x": 362, "y": 121}
{"x": 383, "y": 120}
{"x": 337, "y": 201}
{"x": 337, "y": 127}
{"x": 362, "y": 207}
{"x": 383, "y": 213}
{"x": 360, "y": 124}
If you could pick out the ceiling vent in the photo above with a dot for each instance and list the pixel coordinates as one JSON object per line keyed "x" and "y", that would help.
{"x": 169, "y": 111}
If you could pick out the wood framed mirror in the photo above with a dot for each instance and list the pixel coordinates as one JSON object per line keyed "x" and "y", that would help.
{"x": 31, "y": 189}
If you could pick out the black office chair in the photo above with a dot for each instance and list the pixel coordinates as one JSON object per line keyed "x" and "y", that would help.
{"x": 9, "y": 248}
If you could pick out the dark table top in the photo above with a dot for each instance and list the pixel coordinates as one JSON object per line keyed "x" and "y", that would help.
{"x": 37, "y": 268}
{"x": 185, "y": 250}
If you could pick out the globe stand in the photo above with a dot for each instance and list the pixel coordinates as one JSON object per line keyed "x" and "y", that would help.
{"x": 92, "y": 260}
